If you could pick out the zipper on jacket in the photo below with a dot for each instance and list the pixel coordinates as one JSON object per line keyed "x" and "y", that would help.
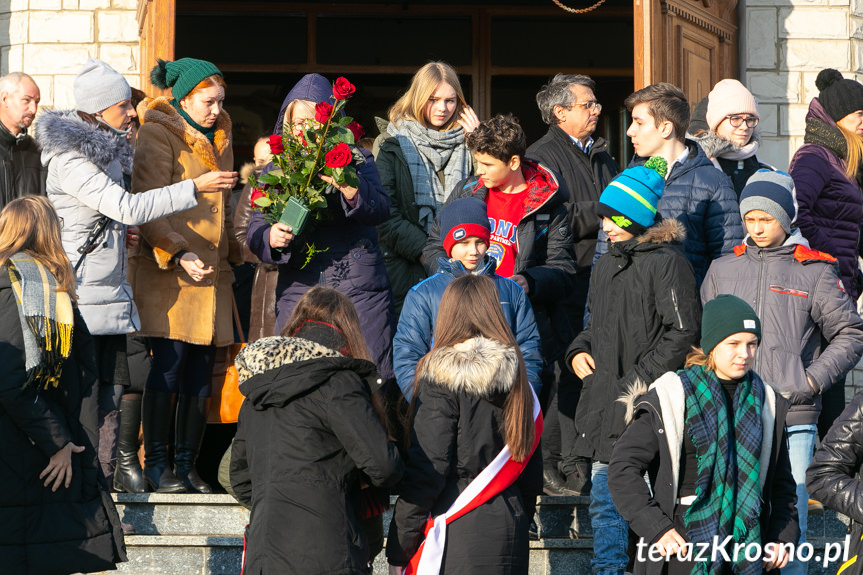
{"x": 760, "y": 301}
{"x": 676, "y": 308}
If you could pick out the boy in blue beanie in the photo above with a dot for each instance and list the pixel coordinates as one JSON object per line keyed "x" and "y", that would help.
{"x": 465, "y": 232}
{"x": 644, "y": 318}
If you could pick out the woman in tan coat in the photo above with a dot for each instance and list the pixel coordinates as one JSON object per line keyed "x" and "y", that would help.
{"x": 180, "y": 273}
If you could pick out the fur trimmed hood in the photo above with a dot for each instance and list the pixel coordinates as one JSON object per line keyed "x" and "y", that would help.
{"x": 478, "y": 366}
{"x": 160, "y": 111}
{"x": 273, "y": 352}
{"x": 62, "y": 131}
{"x": 667, "y": 231}
{"x": 630, "y": 397}
{"x": 715, "y": 146}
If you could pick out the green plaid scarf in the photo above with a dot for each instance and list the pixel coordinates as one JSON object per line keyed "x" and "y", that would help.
{"x": 728, "y": 490}
{"x": 46, "y": 319}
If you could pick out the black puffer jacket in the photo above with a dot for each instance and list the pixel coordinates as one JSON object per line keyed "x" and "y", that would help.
{"x": 306, "y": 432}
{"x": 456, "y": 434}
{"x": 586, "y": 175}
{"x": 833, "y": 477}
{"x": 644, "y": 318}
{"x": 21, "y": 171}
{"x": 545, "y": 255}
{"x": 75, "y": 528}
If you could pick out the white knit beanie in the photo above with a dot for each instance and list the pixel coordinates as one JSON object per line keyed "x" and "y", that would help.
{"x": 727, "y": 98}
{"x": 98, "y": 86}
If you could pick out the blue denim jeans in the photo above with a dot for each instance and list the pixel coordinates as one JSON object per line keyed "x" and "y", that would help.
{"x": 610, "y": 530}
{"x": 801, "y": 445}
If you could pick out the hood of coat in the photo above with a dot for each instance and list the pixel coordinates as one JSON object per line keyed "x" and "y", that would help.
{"x": 478, "y": 366}
{"x": 629, "y": 398}
{"x": 817, "y": 112}
{"x": 663, "y": 233}
{"x": 273, "y": 371}
{"x": 455, "y": 268}
{"x": 61, "y": 131}
{"x": 311, "y": 87}
{"x": 715, "y": 145}
{"x": 160, "y": 111}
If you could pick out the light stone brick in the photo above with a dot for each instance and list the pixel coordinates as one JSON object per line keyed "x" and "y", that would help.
{"x": 128, "y": 4}
{"x": 807, "y": 55}
{"x": 56, "y": 59}
{"x": 12, "y": 59}
{"x": 780, "y": 87}
{"x": 61, "y": 27}
{"x": 809, "y": 89}
{"x": 64, "y": 93}
{"x": 839, "y": 2}
{"x": 776, "y": 152}
{"x": 857, "y": 7}
{"x": 70, "y": 4}
{"x": 19, "y": 28}
{"x": 857, "y": 52}
{"x": 813, "y": 23}
{"x": 15, "y": 5}
{"x": 121, "y": 57}
{"x": 46, "y": 89}
{"x": 792, "y": 119}
{"x": 46, "y": 4}
{"x": 94, "y": 4}
{"x": 784, "y": 3}
{"x": 117, "y": 26}
{"x": 768, "y": 125}
{"x": 761, "y": 37}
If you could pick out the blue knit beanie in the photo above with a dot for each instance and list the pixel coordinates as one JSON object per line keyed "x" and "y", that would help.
{"x": 631, "y": 200}
{"x": 462, "y": 219}
{"x": 771, "y": 192}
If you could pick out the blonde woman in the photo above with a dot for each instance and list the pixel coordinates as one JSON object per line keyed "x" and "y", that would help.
{"x": 421, "y": 156}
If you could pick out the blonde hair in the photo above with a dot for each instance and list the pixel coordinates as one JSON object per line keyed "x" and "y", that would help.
{"x": 287, "y": 121}
{"x": 29, "y": 224}
{"x": 698, "y": 357}
{"x": 412, "y": 104}
{"x": 854, "y": 153}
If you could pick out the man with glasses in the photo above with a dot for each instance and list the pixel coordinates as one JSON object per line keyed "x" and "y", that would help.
{"x": 569, "y": 107}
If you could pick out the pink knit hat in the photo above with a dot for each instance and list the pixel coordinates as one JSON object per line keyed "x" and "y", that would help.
{"x": 727, "y": 98}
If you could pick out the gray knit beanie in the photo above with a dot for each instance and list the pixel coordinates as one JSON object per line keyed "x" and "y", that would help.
{"x": 772, "y": 192}
{"x": 99, "y": 86}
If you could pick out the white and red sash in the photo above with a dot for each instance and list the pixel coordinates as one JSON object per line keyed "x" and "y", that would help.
{"x": 494, "y": 479}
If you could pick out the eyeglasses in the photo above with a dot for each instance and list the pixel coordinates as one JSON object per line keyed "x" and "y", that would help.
{"x": 589, "y": 106}
{"x": 737, "y": 121}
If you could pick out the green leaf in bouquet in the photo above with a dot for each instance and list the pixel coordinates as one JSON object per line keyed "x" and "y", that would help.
{"x": 343, "y": 122}
{"x": 263, "y": 202}
{"x": 272, "y": 177}
{"x": 351, "y": 178}
{"x": 338, "y": 175}
{"x": 297, "y": 178}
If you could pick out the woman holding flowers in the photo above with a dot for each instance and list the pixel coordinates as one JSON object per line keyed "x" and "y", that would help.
{"x": 340, "y": 250}
{"x": 421, "y": 155}
{"x": 180, "y": 272}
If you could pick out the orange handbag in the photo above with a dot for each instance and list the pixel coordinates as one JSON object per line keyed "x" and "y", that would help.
{"x": 226, "y": 398}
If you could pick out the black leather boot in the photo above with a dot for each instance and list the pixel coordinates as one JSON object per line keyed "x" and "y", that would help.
{"x": 158, "y": 413}
{"x": 128, "y": 476}
{"x": 191, "y": 424}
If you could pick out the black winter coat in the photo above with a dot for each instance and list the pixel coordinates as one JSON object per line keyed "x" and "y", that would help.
{"x": 75, "y": 528}
{"x": 644, "y": 317}
{"x": 305, "y": 434}
{"x": 586, "y": 175}
{"x": 647, "y": 445}
{"x": 833, "y": 477}
{"x": 21, "y": 171}
{"x": 545, "y": 255}
{"x": 458, "y": 416}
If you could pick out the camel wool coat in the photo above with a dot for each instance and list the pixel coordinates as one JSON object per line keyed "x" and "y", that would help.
{"x": 170, "y": 303}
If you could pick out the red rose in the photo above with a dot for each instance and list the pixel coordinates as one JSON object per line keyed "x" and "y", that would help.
{"x": 256, "y": 193}
{"x": 323, "y": 112}
{"x": 343, "y": 89}
{"x": 357, "y": 130}
{"x": 338, "y": 157}
{"x": 276, "y": 145}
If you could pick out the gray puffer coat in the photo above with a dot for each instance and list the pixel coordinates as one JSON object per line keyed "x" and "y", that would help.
{"x": 85, "y": 181}
{"x": 797, "y": 295}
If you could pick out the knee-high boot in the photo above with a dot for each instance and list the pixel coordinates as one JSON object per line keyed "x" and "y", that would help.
{"x": 191, "y": 424}
{"x": 128, "y": 477}
{"x": 158, "y": 413}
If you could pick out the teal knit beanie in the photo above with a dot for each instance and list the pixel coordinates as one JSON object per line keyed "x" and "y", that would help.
{"x": 724, "y": 316}
{"x": 631, "y": 200}
{"x": 182, "y": 75}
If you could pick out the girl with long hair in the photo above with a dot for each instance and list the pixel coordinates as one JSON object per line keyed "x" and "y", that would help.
{"x": 421, "y": 155}
{"x": 50, "y": 479}
{"x": 307, "y": 441}
{"x": 472, "y": 404}
{"x": 712, "y": 439}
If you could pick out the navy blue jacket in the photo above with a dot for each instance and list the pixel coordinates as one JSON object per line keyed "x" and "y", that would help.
{"x": 702, "y": 198}
{"x": 419, "y": 315}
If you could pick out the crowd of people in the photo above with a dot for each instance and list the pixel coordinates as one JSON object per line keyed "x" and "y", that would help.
{"x": 490, "y": 321}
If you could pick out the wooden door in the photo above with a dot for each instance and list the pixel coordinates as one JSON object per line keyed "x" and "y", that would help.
{"x": 156, "y": 25}
{"x": 689, "y": 43}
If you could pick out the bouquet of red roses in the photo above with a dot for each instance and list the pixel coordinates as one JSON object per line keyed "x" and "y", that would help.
{"x": 292, "y": 192}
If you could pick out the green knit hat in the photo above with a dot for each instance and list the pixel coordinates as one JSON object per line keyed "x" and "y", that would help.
{"x": 724, "y": 316}
{"x": 181, "y": 76}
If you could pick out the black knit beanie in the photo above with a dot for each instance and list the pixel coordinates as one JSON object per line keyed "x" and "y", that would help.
{"x": 724, "y": 316}
{"x": 838, "y": 95}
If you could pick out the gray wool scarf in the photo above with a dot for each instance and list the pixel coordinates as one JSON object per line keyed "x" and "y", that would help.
{"x": 427, "y": 152}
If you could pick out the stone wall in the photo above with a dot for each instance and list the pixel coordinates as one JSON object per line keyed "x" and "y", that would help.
{"x": 784, "y": 44}
{"x": 51, "y": 39}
